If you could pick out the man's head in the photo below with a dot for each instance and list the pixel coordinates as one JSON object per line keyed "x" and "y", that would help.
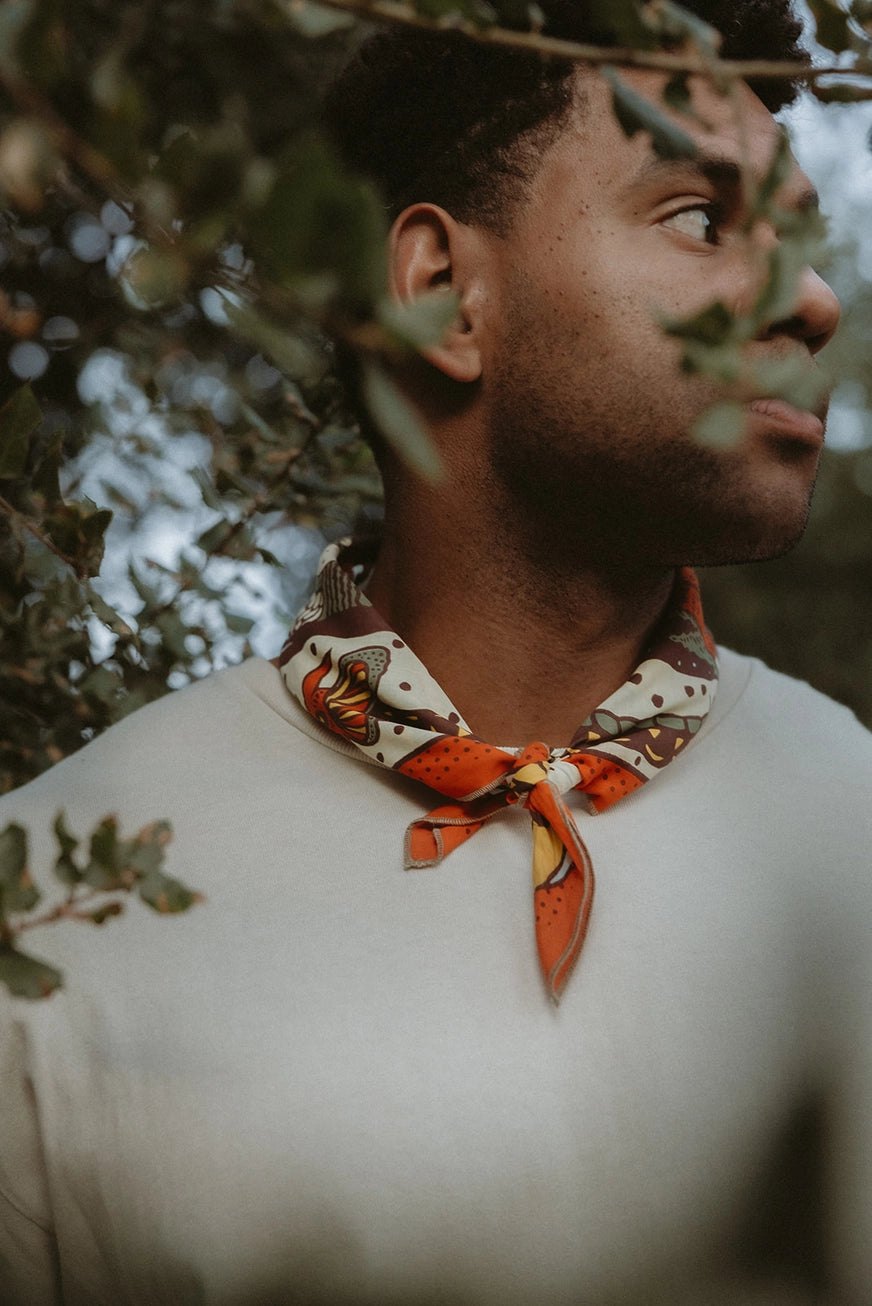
{"x": 556, "y": 398}
{"x": 432, "y": 115}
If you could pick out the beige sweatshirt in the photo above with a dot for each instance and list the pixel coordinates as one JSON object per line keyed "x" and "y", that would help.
{"x": 337, "y": 1082}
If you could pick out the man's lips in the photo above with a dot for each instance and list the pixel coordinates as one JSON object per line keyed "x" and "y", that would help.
{"x": 784, "y": 419}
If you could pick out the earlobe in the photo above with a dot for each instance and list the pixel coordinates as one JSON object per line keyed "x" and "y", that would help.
{"x": 429, "y": 251}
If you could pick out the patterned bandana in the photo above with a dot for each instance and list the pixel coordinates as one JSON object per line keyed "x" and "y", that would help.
{"x": 355, "y": 676}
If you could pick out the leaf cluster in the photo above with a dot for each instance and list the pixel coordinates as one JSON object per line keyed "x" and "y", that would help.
{"x": 171, "y": 201}
{"x": 173, "y": 218}
{"x": 94, "y": 879}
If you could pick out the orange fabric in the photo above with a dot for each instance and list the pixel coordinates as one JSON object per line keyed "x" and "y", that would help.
{"x": 562, "y": 872}
{"x": 353, "y": 674}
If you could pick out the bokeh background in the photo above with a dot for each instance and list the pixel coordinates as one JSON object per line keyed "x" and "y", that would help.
{"x": 175, "y": 242}
{"x": 810, "y": 613}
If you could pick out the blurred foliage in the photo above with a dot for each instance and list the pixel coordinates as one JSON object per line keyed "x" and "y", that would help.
{"x": 809, "y": 613}
{"x": 92, "y": 885}
{"x": 178, "y": 247}
{"x": 138, "y": 142}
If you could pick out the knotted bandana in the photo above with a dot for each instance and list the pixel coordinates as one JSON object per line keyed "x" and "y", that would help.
{"x": 360, "y": 680}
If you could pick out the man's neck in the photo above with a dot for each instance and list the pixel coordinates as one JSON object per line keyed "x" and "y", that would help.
{"x": 524, "y": 648}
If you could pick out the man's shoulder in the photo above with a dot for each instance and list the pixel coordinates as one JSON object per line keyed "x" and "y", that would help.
{"x": 773, "y": 714}
{"x": 193, "y": 741}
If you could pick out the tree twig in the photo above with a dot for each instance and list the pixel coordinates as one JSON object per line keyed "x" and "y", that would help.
{"x": 69, "y": 909}
{"x": 17, "y": 515}
{"x": 30, "y": 100}
{"x": 394, "y": 11}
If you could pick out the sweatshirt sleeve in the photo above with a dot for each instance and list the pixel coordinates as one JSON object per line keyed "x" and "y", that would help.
{"x": 28, "y": 1259}
{"x": 851, "y": 1121}
{"x": 839, "y": 983}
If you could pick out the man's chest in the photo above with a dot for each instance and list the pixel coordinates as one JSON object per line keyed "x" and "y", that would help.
{"x": 362, "y": 1087}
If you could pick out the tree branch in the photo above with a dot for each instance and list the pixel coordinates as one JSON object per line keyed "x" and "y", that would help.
{"x": 32, "y": 102}
{"x": 16, "y": 515}
{"x": 70, "y": 909}
{"x": 394, "y": 11}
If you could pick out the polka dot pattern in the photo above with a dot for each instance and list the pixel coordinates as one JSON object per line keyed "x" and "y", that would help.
{"x": 362, "y": 682}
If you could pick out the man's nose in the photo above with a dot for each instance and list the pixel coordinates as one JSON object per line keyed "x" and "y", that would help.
{"x": 815, "y": 315}
{"x": 817, "y": 308}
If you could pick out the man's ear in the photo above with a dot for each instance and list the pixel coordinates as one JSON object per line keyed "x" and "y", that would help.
{"x": 430, "y": 251}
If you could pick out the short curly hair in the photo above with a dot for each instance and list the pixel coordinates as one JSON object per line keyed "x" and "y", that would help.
{"x": 437, "y": 116}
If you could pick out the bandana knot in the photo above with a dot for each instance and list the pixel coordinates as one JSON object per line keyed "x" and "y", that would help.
{"x": 356, "y": 677}
{"x": 538, "y": 764}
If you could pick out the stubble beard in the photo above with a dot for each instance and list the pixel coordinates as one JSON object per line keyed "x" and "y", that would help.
{"x": 627, "y": 486}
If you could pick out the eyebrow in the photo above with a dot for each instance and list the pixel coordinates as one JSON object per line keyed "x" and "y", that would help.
{"x": 716, "y": 169}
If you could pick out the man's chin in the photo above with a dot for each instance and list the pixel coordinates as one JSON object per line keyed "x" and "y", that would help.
{"x": 744, "y": 545}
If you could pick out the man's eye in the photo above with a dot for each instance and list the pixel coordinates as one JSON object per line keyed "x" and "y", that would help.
{"x": 699, "y": 222}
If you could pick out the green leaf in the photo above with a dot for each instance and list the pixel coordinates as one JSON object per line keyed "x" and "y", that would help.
{"x": 635, "y": 113}
{"x": 165, "y": 894}
{"x": 174, "y": 632}
{"x": 17, "y": 890}
{"x": 100, "y": 915}
{"x": 19, "y": 418}
{"x": 13, "y": 20}
{"x": 26, "y": 977}
{"x": 103, "y": 684}
{"x": 104, "y": 843}
{"x": 102, "y": 870}
{"x": 66, "y": 870}
{"x": 67, "y": 842}
{"x": 792, "y": 379}
{"x": 214, "y": 536}
{"x": 800, "y": 246}
{"x": 674, "y": 24}
{"x": 144, "y": 854}
{"x": 831, "y": 25}
{"x": 519, "y": 14}
{"x": 676, "y": 93}
{"x": 713, "y": 326}
{"x": 314, "y": 20}
{"x": 264, "y": 430}
{"x": 291, "y": 353}
{"x": 722, "y": 363}
{"x": 13, "y": 852}
{"x": 146, "y": 592}
{"x": 786, "y": 263}
{"x": 397, "y": 421}
{"x": 421, "y": 323}
{"x": 41, "y": 44}
{"x": 238, "y": 624}
{"x": 474, "y": 11}
{"x": 721, "y": 426}
{"x": 777, "y": 174}
{"x": 45, "y": 478}
{"x": 78, "y": 530}
{"x": 105, "y": 613}
{"x": 206, "y": 487}
{"x": 323, "y": 231}
{"x": 65, "y": 867}
{"x": 619, "y": 21}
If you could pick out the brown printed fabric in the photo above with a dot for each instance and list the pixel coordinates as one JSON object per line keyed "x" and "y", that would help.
{"x": 356, "y": 677}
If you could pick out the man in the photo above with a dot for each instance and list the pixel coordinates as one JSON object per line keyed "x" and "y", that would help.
{"x": 338, "y": 1083}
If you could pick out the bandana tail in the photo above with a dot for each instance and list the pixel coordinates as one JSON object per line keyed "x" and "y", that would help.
{"x": 434, "y": 836}
{"x": 563, "y": 886}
